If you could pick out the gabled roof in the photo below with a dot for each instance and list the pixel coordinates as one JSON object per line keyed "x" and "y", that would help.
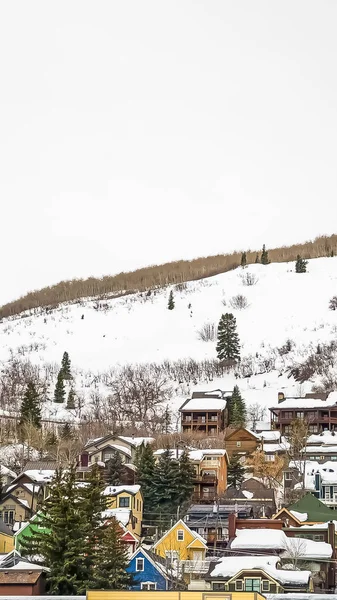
{"x": 17, "y": 500}
{"x": 317, "y": 511}
{"x": 157, "y": 561}
{"x": 132, "y": 441}
{"x": 114, "y": 490}
{"x": 254, "y": 436}
{"x": 181, "y": 524}
{"x": 230, "y": 566}
{"x": 27, "y": 523}
{"x": 287, "y": 512}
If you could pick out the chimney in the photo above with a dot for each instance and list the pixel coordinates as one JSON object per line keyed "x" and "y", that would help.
{"x": 280, "y": 397}
{"x": 331, "y": 537}
{"x": 231, "y": 525}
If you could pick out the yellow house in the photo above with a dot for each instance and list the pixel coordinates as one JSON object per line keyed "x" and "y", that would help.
{"x": 6, "y": 539}
{"x": 181, "y": 543}
{"x": 125, "y": 503}
{"x": 172, "y": 595}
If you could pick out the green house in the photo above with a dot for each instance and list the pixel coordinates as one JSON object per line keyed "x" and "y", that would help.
{"x": 28, "y": 530}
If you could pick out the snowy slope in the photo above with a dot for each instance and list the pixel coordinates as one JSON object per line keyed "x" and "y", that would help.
{"x": 139, "y": 328}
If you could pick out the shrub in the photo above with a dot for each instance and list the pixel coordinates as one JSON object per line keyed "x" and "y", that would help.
{"x": 333, "y": 303}
{"x": 208, "y": 332}
{"x": 239, "y": 302}
{"x": 249, "y": 279}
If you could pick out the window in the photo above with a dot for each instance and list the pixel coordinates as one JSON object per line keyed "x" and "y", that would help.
{"x": 287, "y": 429}
{"x": 238, "y": 444}
{"x": 148, "y": 586}
{"x": 327, "y": 492}
{"x": 252, "y": 585}
{"x": 269, "y": 457}
{"x": 239, "y": 585}
{"x": 9, "y": 516}
{"x": 134, "y": 502}
{"x": 287, "y": 414}
{"x": 265, "y": 585}
{"x": 172, "y": 555}
{"x": 180, "y": 535}
{"x": 124, "y": 502}
{"x": 140, "y": 564}
{"x": 287, "y": 476}
{"x": 218, "y": 587}
{"x": 299, "y": 414}
{"x": 319, "y": 538}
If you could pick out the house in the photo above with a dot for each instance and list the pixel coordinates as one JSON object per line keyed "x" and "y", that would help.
{"x": 318, "y": 478}
{"x": 6, "y": 539}
{"x": 101, "y": 449}
{"x": 14, "y": 509}
{"x": 210, "y": 466}
{"x": 38, "y": 479}
{"x": 211, "y": 521}
{"x": 256, "y": 494}
{"x": 20, "y": 577}
{"x": 309, "y": 510}
{"x": 149, "y": 571}
{"x": 31, "y": 493}
{"x": 205, "y": 412}
{"x": 27, "y": 530}
{"x": 319, "y": 410}
{"x": 261, "y": 574}
{"x": 241, "y": 441}
{"x": 125, "y": 503}
{"x": 183, "y": 547}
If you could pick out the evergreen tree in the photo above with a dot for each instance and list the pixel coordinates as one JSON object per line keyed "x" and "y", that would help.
{"x": 94, "y": 503}
{"x": 257, "y": 259}
{"x": 236, "y": 471}
{"x": 301, "y": 265}
{"x": 30, "y": 407}
{"x": 115, "y": 469}
{"x": 110, "y": 571}
{"x": 243, "y": 259}
{"x": 59, "y": 394}
{"x": 228, "y": 346}
{"x": 171, "y": 304}
{"x": 145, "y": 463}
{"x": 264, "y": 256}
{"x": 61, "y": 541}
{"x": 51, "y": 439}
{"x": 71, "y": 405}
{"x": 66, "y": 432}
{"x": 165, "y": 485}
{"x": 186, "y": 479}
{"x": 66, "y": 367}
{"x": 237, "y": 413}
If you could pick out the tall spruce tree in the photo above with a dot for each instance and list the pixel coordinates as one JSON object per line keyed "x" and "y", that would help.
{"x": 71, "y": 404}
{"x": 236, "y": 471}
{"x": 115, "y": 469}
{"x": 237, "y": 413}
{"x": 264, "y": 256}
{"x": 171, "y": 304}
{"x": 165, "y": 485}
{"x": 243, "y": 259}
{"x": 301, "y": 265}
{"x": 66, "y": 432}
{"x": 185, "y": 480}
{"x": 66, "y": 366}
{"x": 228, "y": 346}
{"x": 145, "y": 463}
{"x": 110, "y": 571}
{"x": 94, "y": 503}
{"x": 59, "y": 393}
{"x": 30, "y": 407}
{"x": 61, "y": 541}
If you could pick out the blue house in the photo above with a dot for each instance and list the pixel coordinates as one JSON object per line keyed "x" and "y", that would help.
{"x": 148, "y": 570}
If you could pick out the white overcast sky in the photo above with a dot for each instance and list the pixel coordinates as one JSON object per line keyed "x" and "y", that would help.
{"x": 134, "y": 132}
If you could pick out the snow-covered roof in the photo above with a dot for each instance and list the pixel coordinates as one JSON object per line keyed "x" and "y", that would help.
{"x": 114, "y": 490}
{"x": 122, "y": 449}
{"x": 264, "y": 539}
{"x": 269, "y": 436}
{"x": 122, "y": 515}
{"x": 31, "y": 487}
{"x": 229, "y": 566}
{"x": 205, "y": 404}
{"x": 327, "y": 471}
{"x": 302, "y": 517}
{"x": 294, "y": 403}
{"x": 137, "y": 441}
{"x": 41, "y": 475}
{"x": 194, "y": 455}
{"x": 303, "y": 548}
{"x": 321, "y": 449}
{"x": 5, "y": 471}
{"x": 271, "y": 448}
{"x": 324, "y": 438}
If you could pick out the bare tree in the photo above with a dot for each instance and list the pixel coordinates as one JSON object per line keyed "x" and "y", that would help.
{"x": 255, "y": 413}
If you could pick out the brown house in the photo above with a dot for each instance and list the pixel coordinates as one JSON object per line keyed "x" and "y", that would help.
{"x": 241, "y": 441}
{"x": 14, "y": 509}
{"x": 205, "y": 412}
{"x": 22, "y": 583}
{"x": 319, "y": 410}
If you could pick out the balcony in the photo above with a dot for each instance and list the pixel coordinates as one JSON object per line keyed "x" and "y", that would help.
{"x": 200, "y": 478}
{"x": 195, "y": 566}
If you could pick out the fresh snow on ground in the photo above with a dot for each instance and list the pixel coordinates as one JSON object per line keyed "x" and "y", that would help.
{"x": 139, "y": 328}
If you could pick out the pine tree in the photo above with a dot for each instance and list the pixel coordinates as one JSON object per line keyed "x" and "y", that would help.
{"x": 94, "y": 503}
{"x": 61, "y": 541}
{"x": 145, "y": 463}
{"x": 243, "y": 259}
{"x": 237, "y": 413}
{"x": 186, "y": 479}
{"x": 66, "y": 367}
{"x": 110, "y": 571}
{"x": 30, "y": 407}
{"x": 264, "y": 256}
{"x": 165, "y": 485}
{"x": 71, "y": 405}
{"x": 171, "y": 304}
{"x": 66, "y": 432}
{"x": 115, "y": 469}
{"x": 228, "y": 346}
{"x": 301, "y": 265}
{"x": 236, "y": 471}
{"x": 59, "y": 394}
{"x": 257, "y": 258}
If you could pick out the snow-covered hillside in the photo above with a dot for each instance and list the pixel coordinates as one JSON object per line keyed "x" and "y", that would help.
{"x": 99, "y": 334}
